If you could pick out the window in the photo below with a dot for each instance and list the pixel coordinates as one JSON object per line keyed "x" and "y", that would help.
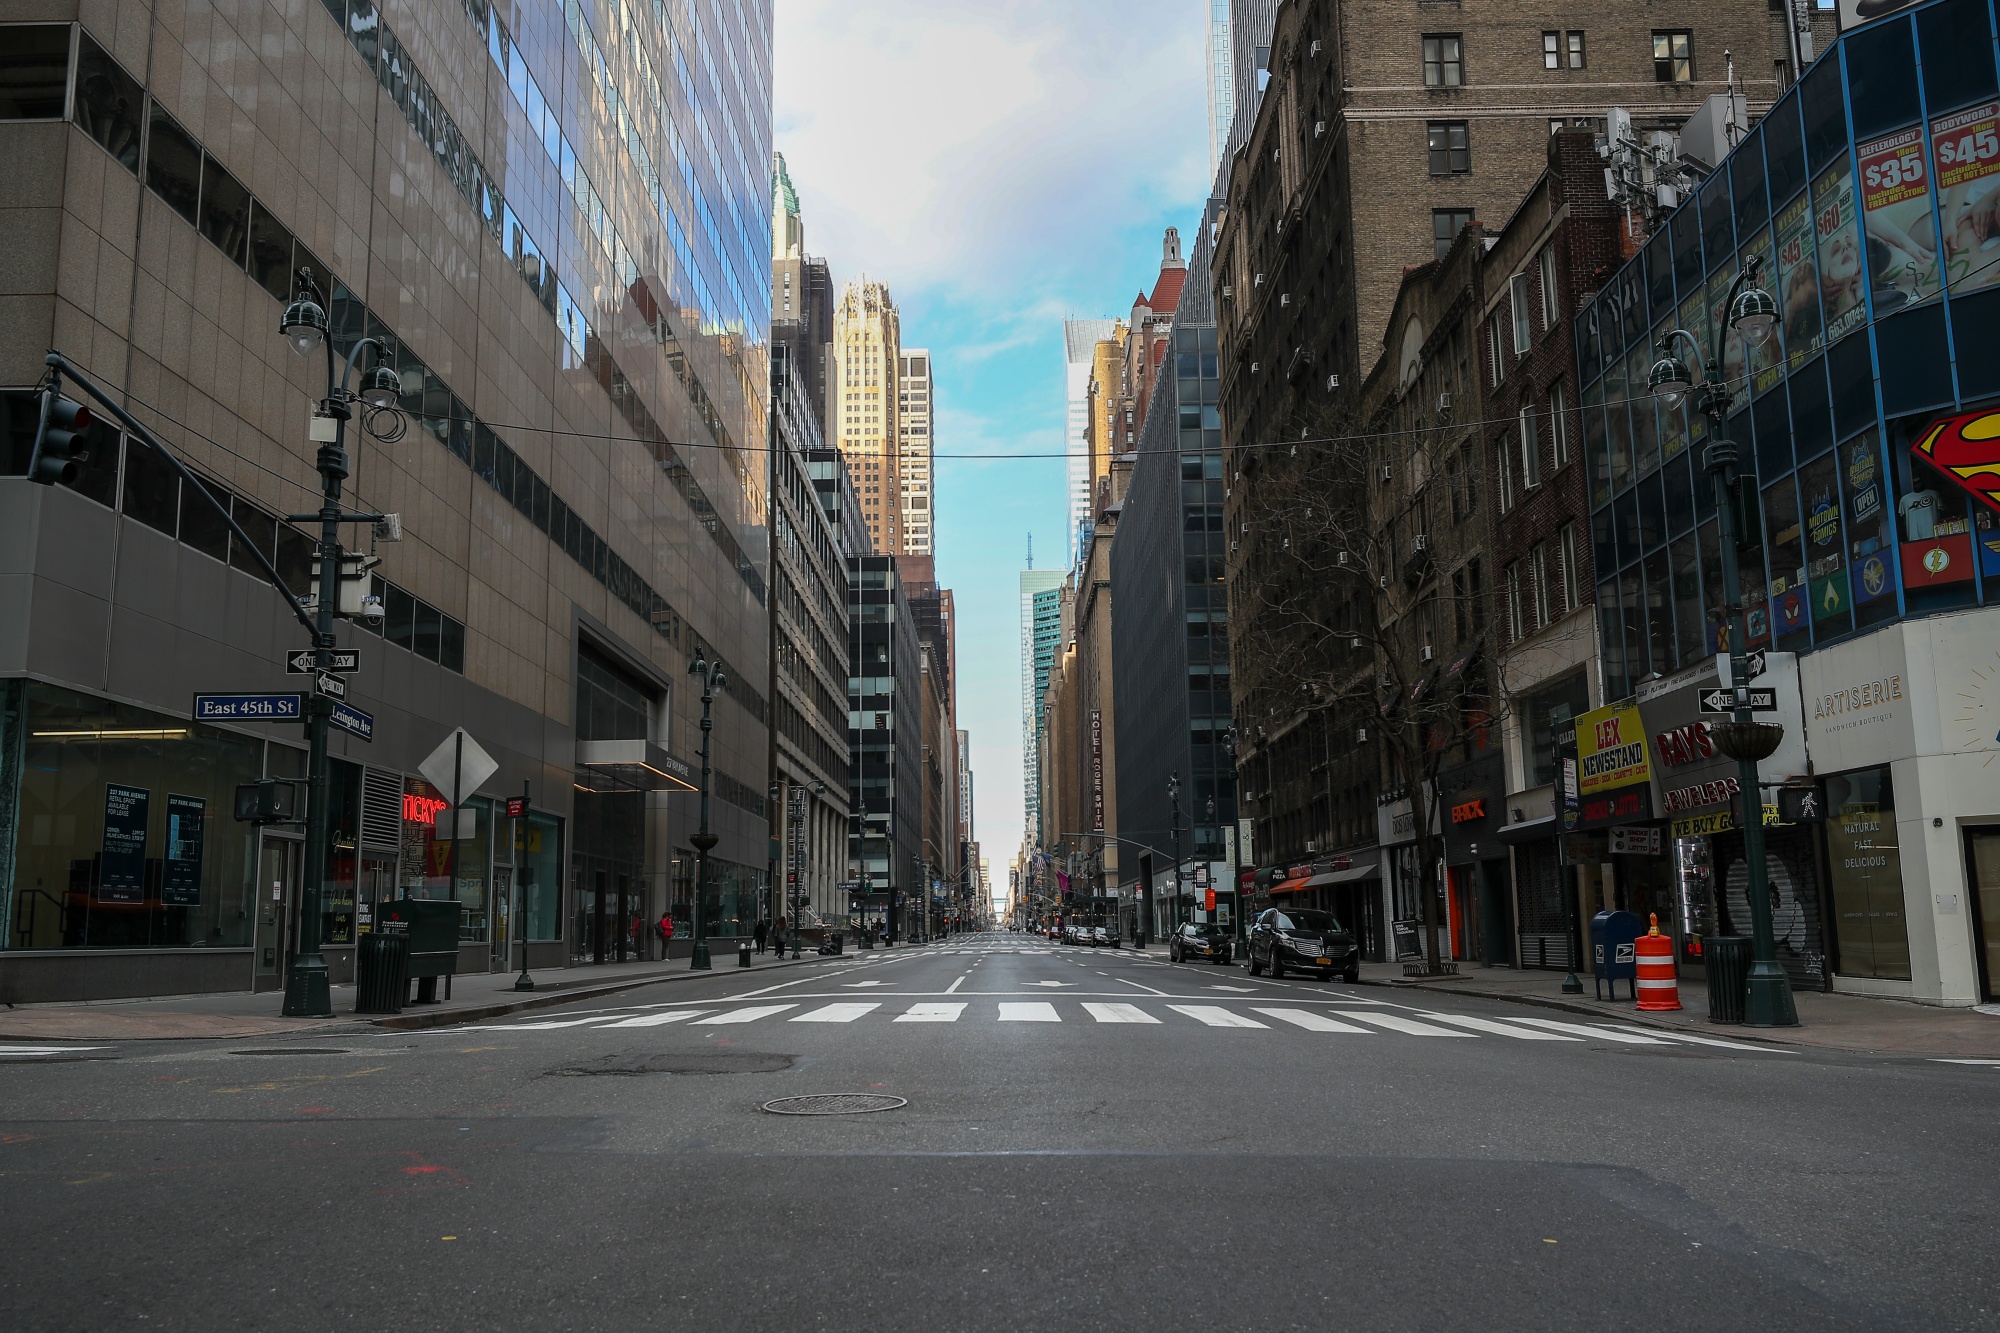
{"x": 1498, "y": 366}
{"x": 1517, "y": 628}
{"x": 1524, "y": 332}
{"x": 1531, "y": 450}
{"x": 1551, "y": 305}
{"x": 1449, "y": 153}
{"x": 1552, "y": 50}
{"x": 34, "y": 71}
{"x": 1558, "y": 426}
{"x": 1540, "y": 559}
{"x": 1673, "y": 56}
{"x": 1506, "y": 476}
{"x": 1444, "y": 60}
{"x": 1446, "y": 224}
{"x": 1572, "y": 585}
{"x": 1575, "y": 50}
{"x": 109, "y": 104}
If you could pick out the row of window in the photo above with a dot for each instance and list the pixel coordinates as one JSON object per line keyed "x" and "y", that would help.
{"x": 1545, "y": 587}
{"x": 1520, "y": 451}
{"x": 1444, "y": 55}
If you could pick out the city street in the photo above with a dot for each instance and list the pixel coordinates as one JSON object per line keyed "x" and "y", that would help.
{"x": 1092, "y": 1139}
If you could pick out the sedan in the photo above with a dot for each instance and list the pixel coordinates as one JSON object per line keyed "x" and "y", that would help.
{"x": 1306, "y": 940}
{"x": 1193, "y": 941}
{"x": 1103, "y": 937}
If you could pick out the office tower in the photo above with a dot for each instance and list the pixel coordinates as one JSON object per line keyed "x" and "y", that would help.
{"x": 801, "y": 296}
{"x": 1080, "y": 339}
{"x": 867, "y": 368}
{"x": 1221, "y": 82}
{"x": 914, "y": 471}
{"x": 1041, "y": 633}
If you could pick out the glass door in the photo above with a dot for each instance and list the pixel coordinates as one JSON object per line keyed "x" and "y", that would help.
{"x": 276, "y": 893}
{"x": 1982, "y": 857}
{"x": 503, "y": 918}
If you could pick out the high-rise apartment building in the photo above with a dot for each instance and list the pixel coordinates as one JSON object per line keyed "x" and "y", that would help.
{"x": 1041, "y": 635}
{"x": 562, "y": 250}
{"x": 915, "y": 472}
{"x": 867, "y": 370}
{"x": 801, "y": 296}
{"x": 1080, "y": 340}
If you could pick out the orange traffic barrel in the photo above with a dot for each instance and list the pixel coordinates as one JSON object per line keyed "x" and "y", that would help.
{"x": 1657, "y": 986}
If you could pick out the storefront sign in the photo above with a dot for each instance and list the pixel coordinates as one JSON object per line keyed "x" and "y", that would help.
{"x": 1611, "y": 749}
{"x": 121, "y": 874}
{"x": 1896, "y": 200}
{"x": 1938, "y": 560}
{"x": 1466, "y": 812}
{"x": 1701, "y": 826}
{"x": 180, "y": 878}
{"x": 1966, "y": 145}
{"x": 1639, "y": 841}
{"x": 1719, "y": 791}
{"x": 1097, "y": 770}
{"x": 1617, "y": 808}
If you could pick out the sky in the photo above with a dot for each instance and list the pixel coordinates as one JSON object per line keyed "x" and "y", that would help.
{"x": 1001, "y": 165}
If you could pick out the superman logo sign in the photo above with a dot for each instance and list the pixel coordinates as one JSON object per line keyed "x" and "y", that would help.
{"x": 1966, "y": 449}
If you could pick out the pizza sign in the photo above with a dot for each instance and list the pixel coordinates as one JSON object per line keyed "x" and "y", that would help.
{"x": 1966, "y": 449}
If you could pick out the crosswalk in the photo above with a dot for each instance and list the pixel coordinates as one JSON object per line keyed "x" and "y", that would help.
{"x": 1240, "y": 1016}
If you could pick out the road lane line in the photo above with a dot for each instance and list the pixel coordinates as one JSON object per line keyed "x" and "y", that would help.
{"x": 1216, "y": 1016}
{"x": 1603, "y": 1034}
{"x": 932, "y": 1013}
{"x": 1119, "y": 1013}
{"x": 1398, "y": 1024}
{"x": 1499, "y": 1029}
{"x": 1039, "y": 1011}
{"x": 1703, "y": 1041}
{"x": 953, "y": 987}
{"x": 654, "y": 1020}
{"x": 750, "y": 1015}
{"x": 1313, "y": 1022}
{"x": 836, "y": 1013}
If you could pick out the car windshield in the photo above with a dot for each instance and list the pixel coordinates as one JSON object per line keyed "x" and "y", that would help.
{"x": 1319, "y": 923}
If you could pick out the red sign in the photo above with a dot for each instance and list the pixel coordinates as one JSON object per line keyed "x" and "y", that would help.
{"x": 1939, "y": 560}
{"x": 1966, "y": 449}
{"x": 1467, "y": 811}
{"x": 1684, "y": 745}
{"x": 421, "y": 809}
{"x": 1208, "y": 901}
{"x": 517, "y": 807}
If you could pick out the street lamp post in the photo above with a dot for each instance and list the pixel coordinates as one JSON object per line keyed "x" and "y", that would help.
{"x": 1753, "y": 314}
{"x": 712, "y": 679}
{"x": 305, "y": 327}
{"x": 1174, "y": 798}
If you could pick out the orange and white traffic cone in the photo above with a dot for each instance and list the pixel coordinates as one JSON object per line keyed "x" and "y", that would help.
{"x": 1657, "y": 986}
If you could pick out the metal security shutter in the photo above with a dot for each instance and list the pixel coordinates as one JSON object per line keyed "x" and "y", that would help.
{"x": 1544, "y": 924}
{"x": 381, "y": 810}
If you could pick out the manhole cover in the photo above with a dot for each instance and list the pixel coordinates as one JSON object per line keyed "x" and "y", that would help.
{"x": 834, "y": 1103}
{"x": 686, "y": 1062}
{"x": 297, "y": 1050}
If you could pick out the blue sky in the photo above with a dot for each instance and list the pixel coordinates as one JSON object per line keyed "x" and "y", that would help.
{"x": 1000, "y": 166}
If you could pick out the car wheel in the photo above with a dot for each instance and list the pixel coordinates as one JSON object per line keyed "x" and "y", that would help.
{"x": 1277, "y": 966}
{"x": 1173, "y": 953}
{"x": 1256, "y": 968}
{"x": 1352, "y": 976}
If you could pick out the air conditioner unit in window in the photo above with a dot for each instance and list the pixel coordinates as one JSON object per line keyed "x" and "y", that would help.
{"x": 1254, "y": 365}
{"x": 1319, "y": 128}
{"x": 1419, "y": 544}
{"x": 1313, "y": 50}
{"x": 1228, "y": 291}
{"x": 1361, "y": 735}
{"x": 1259, "y": 281}
{"x": 1333, "y": 382}
{"x": 1284, "y": 298}
{"x": 1388, "y": 472}
{"x": 1444, "y": 402}
{"x": 1341, "y": 560}
{"x": 1383, "y": 580}
{"x": 1424, "y": 653}
{"x": 1311, "y": 846}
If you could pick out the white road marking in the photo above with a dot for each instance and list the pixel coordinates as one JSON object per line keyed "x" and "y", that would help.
{"x": 1313, "y": 1022}
{"x": 1940, "y": 1061}
{"x": 1051, "y": 983}
{"x": 836, "y": 1013}
{"x": 1119, "y": 1013}
{"x": 1240, "y": 990}
{"x": 749, "y": 1015}
{"x": 932, "y": 1013}
{"x": 1036, "y": 1011}
{"x": 1501, "y": 1029}
{"x": 654, "y": 1020}
{"x": 952, "y": 989}
{"x": 1396, "y": 1023}
{"x": 857, "y": 984}
{"x": 1601, "y": 1034}
{"x": 537, "y": 1027}
{"x": 1701, "y": 1041}
{"x": 45, "y": 1050}
{"x": 1216, "y": 1016}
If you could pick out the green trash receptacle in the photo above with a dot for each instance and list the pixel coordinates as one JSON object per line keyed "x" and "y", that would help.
{"x": 381, "y": 972}
{"x": 1727, "y": 958}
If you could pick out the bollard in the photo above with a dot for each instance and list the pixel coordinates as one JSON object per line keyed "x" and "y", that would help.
{"x": 743, "y": 955}
{"x": 1657, "y": 987}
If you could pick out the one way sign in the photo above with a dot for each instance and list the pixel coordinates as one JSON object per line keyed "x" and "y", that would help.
{"x": 300, "y": 663}
{"x": 1724, "y": 701}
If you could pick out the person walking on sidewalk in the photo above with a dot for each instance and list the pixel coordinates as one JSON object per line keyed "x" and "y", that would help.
{"x": 665, "y": 930}
{"x": 761, "y": 932}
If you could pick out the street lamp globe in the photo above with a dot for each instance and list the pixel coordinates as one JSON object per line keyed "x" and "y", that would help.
{"x": 303, "y": 325}
{"x": 1754, "y": 315}
{"x": 698, "y": 667}
{"x": 381, "y": 387}
{"x": 719, "y": 680}
{"x": 1670, "y": 381}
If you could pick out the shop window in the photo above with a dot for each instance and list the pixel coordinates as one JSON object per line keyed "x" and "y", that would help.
{"x": 1916, "y": 366}
{"x": 225, "y": 210}
{"x": 152, "y": 488}
{"x": 1865, "y": 870}
{"x": 34, "y": 70}
{"x": 1774, "y": 436}
{"x": 1812, "y": 415}
{"x": 110, "y": 104}
{"x": 1829, "y": 589}
{"x": 451, "y": 644}
{"x": 1852, "y": 373}
{"x": 1957, "y": 42}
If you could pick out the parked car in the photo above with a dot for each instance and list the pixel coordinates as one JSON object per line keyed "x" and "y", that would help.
{"x": 1103, "y": 937}
{"x": 1194, "y": 941}
{"x": 1307, "y": 940}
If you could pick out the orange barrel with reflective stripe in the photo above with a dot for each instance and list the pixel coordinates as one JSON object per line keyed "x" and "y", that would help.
{"x": 1657, "y": 986}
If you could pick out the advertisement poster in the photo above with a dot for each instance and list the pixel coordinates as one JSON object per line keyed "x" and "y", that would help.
{"x": 1611, "y": 749}
{"x": 121, "y": 867}
{"x": 1966, "y": 147}
{"x": 180, "y": 878}
{"x": 1767, "y": 360}
{"x": 1839, "y": 244}
{"x": 1798, "y": 281}
{"x": 1896, "y": 215}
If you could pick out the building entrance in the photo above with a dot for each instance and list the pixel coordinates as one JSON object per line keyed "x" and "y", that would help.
{"x": 1982, "y": 863}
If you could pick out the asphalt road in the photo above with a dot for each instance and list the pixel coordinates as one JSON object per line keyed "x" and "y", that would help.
{"x": 1092, "y": 1141}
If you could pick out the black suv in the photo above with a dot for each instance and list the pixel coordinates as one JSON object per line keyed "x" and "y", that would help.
{"x": 1193, "y": 941}
{"x": 1303, "y": 939}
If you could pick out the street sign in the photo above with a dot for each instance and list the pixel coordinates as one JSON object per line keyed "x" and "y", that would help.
{"x": 1753, "y": 664}
{"x": 1724, "y": 701}
{"x": 1800, "y": 805}
{"x": 300, "y": 663}
{"x": 330, "y": 685}
{"x": 458, "y": 766}
{"x": 517, "y": 807}
{"x": 349, "y": 718}
{"x": 246, "y": 708}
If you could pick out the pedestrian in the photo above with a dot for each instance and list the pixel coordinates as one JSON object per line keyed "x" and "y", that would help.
{"x": 761, "y": 932}
{"x": 665, "y": 930}
{"x": 778, "y": 935}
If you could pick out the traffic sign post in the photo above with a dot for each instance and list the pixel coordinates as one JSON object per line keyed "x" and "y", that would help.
{"x": 1723, "y": 700}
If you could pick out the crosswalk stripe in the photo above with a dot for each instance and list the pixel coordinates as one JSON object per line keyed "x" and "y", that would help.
{"x": 654, "y": 1020}
{"x": 544, "y": 1026}
{"x": 1398, "y": 1024}
{"x": 1704, "y": 1041}
{"x": 932, "y": 1013}
{"x": 1602, "y": 1034}
{"x": 1216, "y": 1016}
{"x": 1118, "y": 1013}
{"x": 1313, "y": 1022}
{"x": 835, "y": 1013}
{"x": 1038, "y": 1011}
{"x": 749, "y": 1015}
{"x": 1500, "y": 1029}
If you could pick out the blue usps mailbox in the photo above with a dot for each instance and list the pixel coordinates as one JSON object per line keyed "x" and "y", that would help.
{"x": 1614, "y": 954}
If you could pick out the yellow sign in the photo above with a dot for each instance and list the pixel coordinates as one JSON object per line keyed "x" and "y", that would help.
{"x": 1701, "y": 826}
{"x": 1611, "y": 749}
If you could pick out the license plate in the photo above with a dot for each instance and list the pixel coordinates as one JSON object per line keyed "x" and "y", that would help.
{"x": 1325, "y": 960}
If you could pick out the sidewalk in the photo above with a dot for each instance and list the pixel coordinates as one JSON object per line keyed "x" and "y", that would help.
{"x": 1838, "y": 1022}
{"x": 241, "y": 1014}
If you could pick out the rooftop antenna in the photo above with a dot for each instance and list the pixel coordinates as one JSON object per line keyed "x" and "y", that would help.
{"x": 1031, "y": 549}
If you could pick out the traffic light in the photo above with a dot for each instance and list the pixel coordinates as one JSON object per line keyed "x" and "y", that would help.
{"x": 58, "y": 443}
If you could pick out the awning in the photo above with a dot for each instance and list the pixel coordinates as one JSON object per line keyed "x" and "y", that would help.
{"x": 1290, "y": 885}
{"x": 1347, "y": 876}
{"x": 630, "y": 766}
{"x": 1527, "y": 830}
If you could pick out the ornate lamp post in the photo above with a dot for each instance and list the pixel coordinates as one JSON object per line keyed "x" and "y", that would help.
{"x": 1174, "y": 798}
{"x": 712, "y": 679}
{"x": 1753, "y": 314}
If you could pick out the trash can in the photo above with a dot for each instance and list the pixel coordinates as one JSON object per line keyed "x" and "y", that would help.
{"x": 836, "y": 940}
{"x": 381, "y": 972}
{"x": 743, "y": 953}
{"x": 1728, "y": 961}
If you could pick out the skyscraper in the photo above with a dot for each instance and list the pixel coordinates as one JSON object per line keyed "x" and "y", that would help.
{"x": 914, "y": 469}
{"x": 1221, "y": 82}
{"x": 867, "y": 365}
{"x": 1041, "y": 632}
{"x": 801, "y": 296}
{"x": 1080, "y": 339}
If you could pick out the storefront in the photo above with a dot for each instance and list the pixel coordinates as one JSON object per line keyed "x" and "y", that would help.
{"x": 1346, "y": 884}
{"x": 1480, "y": 907}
